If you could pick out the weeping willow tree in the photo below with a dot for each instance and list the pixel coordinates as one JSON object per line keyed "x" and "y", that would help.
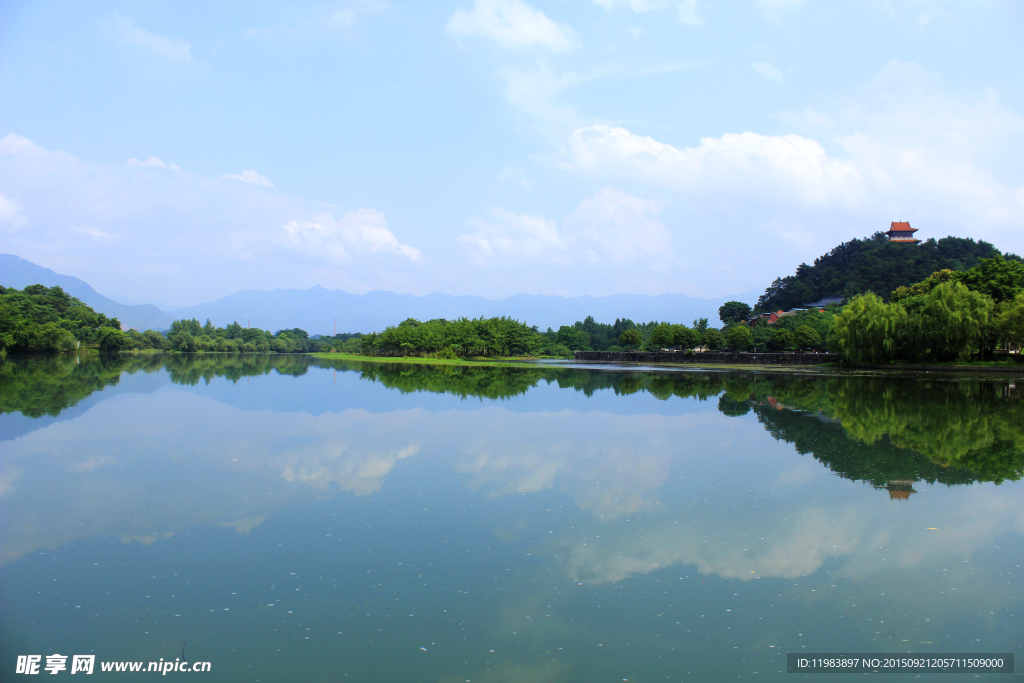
{"x": 946, "y": 324}
{"x": 868, "y": 330}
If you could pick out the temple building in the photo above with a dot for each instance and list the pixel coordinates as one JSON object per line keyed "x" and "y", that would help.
{"x": 900, "y": 231}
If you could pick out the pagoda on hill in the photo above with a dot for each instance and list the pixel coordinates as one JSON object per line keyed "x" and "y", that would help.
{"x": 900, "y": 231}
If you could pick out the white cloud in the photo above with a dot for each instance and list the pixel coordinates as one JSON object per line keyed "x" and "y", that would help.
{"x": 901, "y": 146}
{"x": 638, "y": 6}
{"x": 768, "y": 70}
{"x": 250, "y": 177}
{"x": 685, "y": 9}
{"x": 174, "y": 48}
{"x": 934, "y": 153}
{"x": 154, "y": 162}
{"x": 775, "y": 167}
{"x": 342, "y": 18}
{"x": 12, "y": 144}
{"x": 537, "y": 90}
{"x": 324, "y": 20}
{"x": 363, "y": 231}
{"x": 512, "y": 24}
{"x": 95, "y": 233}
{"x": 688, "y": 14}
{"x": 517, "y": 235}
{"x": 211, "y": 236}
{"x": 907, "y": 106}
{"x": 609, "y": 227}
{"x": 617, "y": 226}
{"x": 772, "y": 8}
{"x": 10, "y": 213}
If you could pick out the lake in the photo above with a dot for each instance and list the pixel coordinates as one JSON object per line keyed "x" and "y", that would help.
{"x": 291, "y": 518}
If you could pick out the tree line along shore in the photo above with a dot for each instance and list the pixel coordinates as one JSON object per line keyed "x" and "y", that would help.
{"x": 951, "y": 315}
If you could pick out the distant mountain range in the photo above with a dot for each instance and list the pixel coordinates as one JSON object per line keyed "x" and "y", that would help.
{"x": 18, "y": 273}
{"x": 315, "y": 309}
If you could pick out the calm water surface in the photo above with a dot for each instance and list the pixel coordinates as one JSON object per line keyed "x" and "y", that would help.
{"x": 295, "y": 519}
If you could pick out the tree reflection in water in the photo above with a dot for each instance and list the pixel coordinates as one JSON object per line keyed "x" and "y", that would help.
{"x": 889, "y": 431}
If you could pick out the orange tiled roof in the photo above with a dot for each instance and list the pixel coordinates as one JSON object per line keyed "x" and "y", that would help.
{"x": 901, "y": 226}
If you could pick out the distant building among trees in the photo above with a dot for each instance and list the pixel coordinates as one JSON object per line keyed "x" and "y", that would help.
{"x": 900, "y": 231}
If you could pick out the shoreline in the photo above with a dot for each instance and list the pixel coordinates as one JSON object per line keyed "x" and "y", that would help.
{"x": 566, "y": 362}
{"x": 689, "y": 365}
{"x": 475, "y": 361}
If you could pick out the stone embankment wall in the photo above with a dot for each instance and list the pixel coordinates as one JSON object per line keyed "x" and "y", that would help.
{"x": 708, "y": 357}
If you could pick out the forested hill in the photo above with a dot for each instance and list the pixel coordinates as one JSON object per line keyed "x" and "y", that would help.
{"x": 874, "y": 265}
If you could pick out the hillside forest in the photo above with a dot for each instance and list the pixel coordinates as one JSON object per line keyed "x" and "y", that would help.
{"x": 873, "y": 264}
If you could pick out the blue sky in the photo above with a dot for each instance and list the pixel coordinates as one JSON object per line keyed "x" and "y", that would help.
{"x": 178, "y": 152}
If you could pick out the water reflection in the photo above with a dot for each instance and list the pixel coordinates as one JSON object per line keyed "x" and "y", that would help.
{"x": 894, "y": 430}
{"x": 124, "y": 471}
{"x": 49, "y": 385}
{"x": 515, "y": 522}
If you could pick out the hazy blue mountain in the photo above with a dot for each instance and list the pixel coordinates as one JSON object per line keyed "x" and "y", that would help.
{"x": 315, "y": 309}
{"x": 18, "y": 273}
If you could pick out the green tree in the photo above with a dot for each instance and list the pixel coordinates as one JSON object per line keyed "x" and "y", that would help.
{"x": 1011, "y": 321}
{"x": 714, "y": 339}
{"x": 806, "y": 337}
{"x": 998, "y": 278}
{"x": 573, "y": 338}
{"x": 700, "y": 326}
{"x": 950, "y": 321}
{"x": 739, "y": 337}
{"x": 185, "y": 342}
{"x": 662, "y": 336}
{"x": 868, "y": 330}
{"x": 733, "y": 312}
{"x": 904, "y": 295}
{"x": 42, "y": 319}
{"x": 111, "y": 339}
{"x": 154, "y": 339}
{"x": 782, "y": 339}
{"x": 631, "y": 338}
{"x": 684, "y": 338}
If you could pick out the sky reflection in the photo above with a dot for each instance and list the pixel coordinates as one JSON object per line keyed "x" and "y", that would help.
{"x": 542, "y": 527}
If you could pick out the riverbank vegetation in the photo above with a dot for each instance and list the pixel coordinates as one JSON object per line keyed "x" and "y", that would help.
{"x": 188, "y": 336}
{"x": 48, "y": 320}
{"x": 948, "y": 317}
{"x": 505, "y": 337}
{"x": 41, "y": 319}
